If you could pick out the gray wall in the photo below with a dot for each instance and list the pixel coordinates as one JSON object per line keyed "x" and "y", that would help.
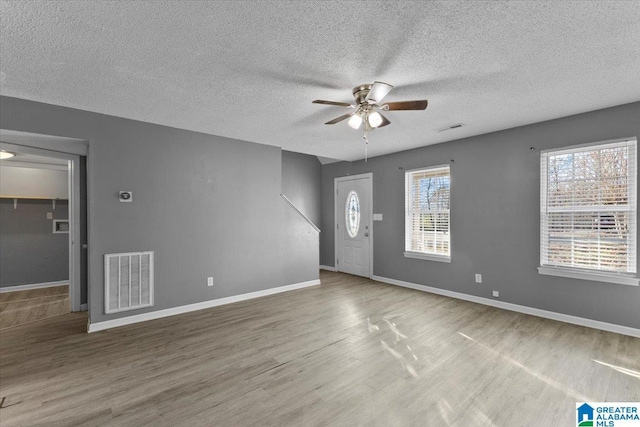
{"x": 495, "y": 214}
{"x": 207, "y": 206}
{"x": 301, "y": 183}
{"x": 29, "y": 250}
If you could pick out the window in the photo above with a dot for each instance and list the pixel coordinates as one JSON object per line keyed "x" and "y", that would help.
{"x": 352, "y": 214}
{"x": 427, "y": 214}
{"x": 588, "y": 212}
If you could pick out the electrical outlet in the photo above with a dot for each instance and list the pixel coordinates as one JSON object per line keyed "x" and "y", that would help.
{"x": 49, "y": 215}
{"x": 478, "y": 278}
{"x": 209, "y": 281}
{"x": 496, "y": 294}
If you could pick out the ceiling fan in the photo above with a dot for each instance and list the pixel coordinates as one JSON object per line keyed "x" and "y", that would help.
{"x": 368, "y": 106}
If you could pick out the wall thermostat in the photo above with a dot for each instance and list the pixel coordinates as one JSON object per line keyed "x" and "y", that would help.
{"x": 126, "y": 196}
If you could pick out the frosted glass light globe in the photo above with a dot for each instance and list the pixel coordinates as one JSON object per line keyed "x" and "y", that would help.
{"x": 355, "y": 121}
{"x": 375, "y": 119}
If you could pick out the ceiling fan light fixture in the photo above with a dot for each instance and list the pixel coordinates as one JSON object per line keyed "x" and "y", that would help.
{"x": 355, "y": 121}
{"x": 368, "y": 111}
{"x": 375, "y": 119}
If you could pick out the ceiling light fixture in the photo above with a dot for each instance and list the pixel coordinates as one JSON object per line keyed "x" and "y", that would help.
{"x": 368, "y": 103}
{"x": 5, "y": 155}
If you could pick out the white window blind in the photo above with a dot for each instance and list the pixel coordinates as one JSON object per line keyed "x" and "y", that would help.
{"x": 427, "y": 194}
{"x": 588, "y": 208}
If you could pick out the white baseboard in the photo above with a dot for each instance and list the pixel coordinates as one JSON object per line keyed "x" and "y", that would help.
{"x": 328, "y": 268}
{"x": 108, "y": 324}
{"x": 581, "y": 321}
{"x": 34, "y": 286}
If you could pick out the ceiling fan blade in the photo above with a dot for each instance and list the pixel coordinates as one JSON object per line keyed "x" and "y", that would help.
{"x": 385, "y": 121}
{"x": 405, "y": 105}
{"x": 339, "y": 104}
{"x": 339, "y": 119}
{"x": 378, "y": 91}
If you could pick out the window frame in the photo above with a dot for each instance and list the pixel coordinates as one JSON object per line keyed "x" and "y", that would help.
{"x": 429, "y": 256}
{"x": 616, "y": 277}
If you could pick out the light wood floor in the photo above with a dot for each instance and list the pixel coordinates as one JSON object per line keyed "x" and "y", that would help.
{"x": 19, "y": 307}
{"x": 349, "y": 352}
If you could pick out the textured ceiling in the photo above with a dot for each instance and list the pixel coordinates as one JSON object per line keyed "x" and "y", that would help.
{"x": 249, "y": 70}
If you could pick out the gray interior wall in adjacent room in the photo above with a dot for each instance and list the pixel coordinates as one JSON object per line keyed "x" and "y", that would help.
{"x": 301, "y": 183}
{"x": 30, "y": 252}
{"x": 495, "y": 216}
{"x": 207, "y": 205}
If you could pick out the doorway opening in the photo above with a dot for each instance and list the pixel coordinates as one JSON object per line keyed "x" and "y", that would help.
{"x": 42, "y": 228}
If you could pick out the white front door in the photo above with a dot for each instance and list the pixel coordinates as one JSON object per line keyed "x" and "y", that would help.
{"x": 353, "y": 225}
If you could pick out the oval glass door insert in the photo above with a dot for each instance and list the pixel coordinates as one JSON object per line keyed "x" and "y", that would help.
{"x": 352, "y": 214}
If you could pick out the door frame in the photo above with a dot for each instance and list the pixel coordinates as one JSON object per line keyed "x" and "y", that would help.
{"x": 75, "y": 244}
{"x": 369, "y": 188}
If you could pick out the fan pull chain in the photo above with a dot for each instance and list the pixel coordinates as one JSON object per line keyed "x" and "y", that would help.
{"x": 366, "y": 145}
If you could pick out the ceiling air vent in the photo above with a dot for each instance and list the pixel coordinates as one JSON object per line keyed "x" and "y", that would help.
{"x": 456, "y": 126}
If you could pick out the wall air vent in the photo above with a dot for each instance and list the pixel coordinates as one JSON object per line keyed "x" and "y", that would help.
{"x": 128, "y": 281}
{"x": 456, "y": 126}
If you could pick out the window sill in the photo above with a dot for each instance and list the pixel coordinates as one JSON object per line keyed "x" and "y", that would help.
{"x": 588, "y": 275}
{"x": 428, "y": 257}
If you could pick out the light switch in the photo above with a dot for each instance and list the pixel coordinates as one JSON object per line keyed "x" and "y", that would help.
{"x": 377, "y": 217}
{"x": 49, "y": 215}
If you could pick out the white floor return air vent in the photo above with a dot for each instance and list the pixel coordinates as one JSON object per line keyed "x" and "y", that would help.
{"x": 128, "y": 281}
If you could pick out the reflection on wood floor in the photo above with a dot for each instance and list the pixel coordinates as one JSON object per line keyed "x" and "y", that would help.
{"x": 19, "y": 307}
{"x": 349, "y": 352}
